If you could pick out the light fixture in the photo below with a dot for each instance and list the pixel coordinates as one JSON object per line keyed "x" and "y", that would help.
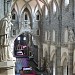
{"x": 24, "y": 38}
{"x": 18, "y": 38}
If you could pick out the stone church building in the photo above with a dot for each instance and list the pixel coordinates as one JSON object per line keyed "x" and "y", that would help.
{"x": 49, "y": 26}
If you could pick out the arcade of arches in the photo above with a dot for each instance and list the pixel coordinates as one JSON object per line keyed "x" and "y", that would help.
{"x": 44, "y": 29}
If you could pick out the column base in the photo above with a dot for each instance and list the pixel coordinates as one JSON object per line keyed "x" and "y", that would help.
{"x": 7, "y": 68}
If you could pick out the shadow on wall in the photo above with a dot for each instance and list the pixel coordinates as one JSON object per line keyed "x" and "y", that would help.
{"x": 35, "y": 53}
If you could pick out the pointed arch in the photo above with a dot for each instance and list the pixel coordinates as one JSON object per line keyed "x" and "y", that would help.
{"x": 38, "y": 15}
{"x": 65, "y": 67}
{"x": 64, "y": 61}
{"x": 37, "y": 7}
{"x": 52, "y": 54}
{"x": 27, "y": 12}
{"x": 63, "y": 57}
{"x": 65, "y": 5}
{"x": 14, "y": 14}
{"x": 14, "y": 10}
{"x": 52, "y": 4}
{"x": 55, "y": 1}
{"x": 26, "y": 15}
{"x": 13, "y": 6}
{"x": 13, "y": 3}
{"x": 26, "y": 6}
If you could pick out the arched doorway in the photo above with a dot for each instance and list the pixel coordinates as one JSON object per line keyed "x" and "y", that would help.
{"x": 25, "y": 50}
{"x": 21, "y": 45}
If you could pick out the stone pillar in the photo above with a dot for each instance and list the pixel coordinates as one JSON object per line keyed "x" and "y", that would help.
{"x": 51, "y": 67}
{"x": 70, "y": 58}
{"x": 59, "y": 44}
{"x": 58, "y": 61}
{"x": 39, "y": 57}
{"x": 38, "y": 43}
{"x": 61, "y": 70}
{"x": 48, "y": 43}
{"x": 30, "y": 39}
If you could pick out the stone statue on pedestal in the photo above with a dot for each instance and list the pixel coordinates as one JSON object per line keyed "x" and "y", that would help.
{"x": 6, "y": 48}
{"x": 70, "y": 35}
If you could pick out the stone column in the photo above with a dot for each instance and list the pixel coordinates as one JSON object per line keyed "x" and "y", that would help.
{"x": 48, "y": 43}
{"x": 30, "y": 45}
{"x": 51, "y": 67}
{"x": 70, "y": 58}
{"x": 58, "y": 47}
{"x": 58, "y": 61}
{"x": 61, "y": 70}
{"x": 30, "y": 39}
{"x": 39, "y": 57}
{"x": 39, "y": 52}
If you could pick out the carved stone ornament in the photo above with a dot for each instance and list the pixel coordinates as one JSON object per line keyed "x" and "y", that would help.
{"x": 70, "y": 35}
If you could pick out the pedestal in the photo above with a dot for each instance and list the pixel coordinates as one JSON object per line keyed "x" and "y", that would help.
{"x": 7, "y": 68}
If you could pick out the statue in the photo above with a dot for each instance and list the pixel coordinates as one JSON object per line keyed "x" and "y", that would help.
{"x": 70, "y": 34}
{"x": 6, "y": 48}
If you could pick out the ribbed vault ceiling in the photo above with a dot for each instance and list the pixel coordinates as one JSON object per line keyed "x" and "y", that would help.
{"x": 32, "y": 4}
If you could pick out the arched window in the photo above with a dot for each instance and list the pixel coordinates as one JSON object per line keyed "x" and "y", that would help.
{"x": 14, "y": 32}
{"x": 66, "y": 35}
{"x": 38, "y": 16}
{"x": 53, "y": 35}
{"x": 66, "y": 2}
{"x": 45, "y": 35}
{"x": 38, "y": 32}
{"x": 13, "y": 14}
{"x": 54, "y": 7}
{"x": 26, "y": 16}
